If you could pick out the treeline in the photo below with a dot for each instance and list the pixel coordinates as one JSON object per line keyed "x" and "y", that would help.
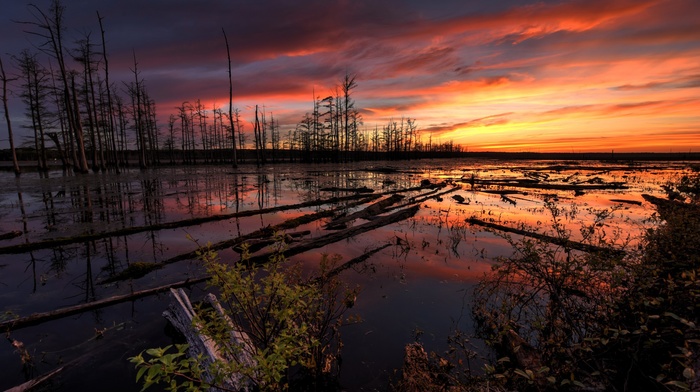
{"x": 78, "y": 116}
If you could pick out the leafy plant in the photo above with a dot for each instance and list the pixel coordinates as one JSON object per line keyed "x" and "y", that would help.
{"x": 291, "y": 320}
{"x": 588, "y": 320}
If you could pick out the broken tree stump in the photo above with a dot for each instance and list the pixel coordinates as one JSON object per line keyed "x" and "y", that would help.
{"x": 183, "y": 317}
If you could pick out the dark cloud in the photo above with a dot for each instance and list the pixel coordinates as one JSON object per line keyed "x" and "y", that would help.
{"x": 412, "y": 57}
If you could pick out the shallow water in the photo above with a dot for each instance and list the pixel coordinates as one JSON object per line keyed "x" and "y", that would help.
{"x": 422, "y": 284}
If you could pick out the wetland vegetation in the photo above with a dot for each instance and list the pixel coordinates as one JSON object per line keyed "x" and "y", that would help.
{"x": 476, "y": 271}
{"x": 99, "y": 248}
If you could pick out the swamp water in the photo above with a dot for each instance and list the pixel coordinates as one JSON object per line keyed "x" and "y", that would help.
{"x": 419, "y": 285}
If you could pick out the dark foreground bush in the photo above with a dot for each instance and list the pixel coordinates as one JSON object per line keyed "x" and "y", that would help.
{"x": 563, "y": 319}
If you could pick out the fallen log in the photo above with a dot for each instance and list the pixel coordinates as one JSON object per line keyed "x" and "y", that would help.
{"x": 421, "y": 198}
{"x": 10, "y": 235}
{"x": 501, "y": 191}
{"x": 269, "y": 230}
{"x": 21, "y": 248}
{"x": 181, "y": 315}
{"x": 338, "y": 235}
{"x": 550, "y": 239}
{"x": 38, "y": 318}
{"x": 266, "y": 233}
{"x": 533, "y": 184}
{"x": 255, "y": 245}
{"x": 508, "y": 200}
{"x": 625, "y": 201}
{"x": 36, "y": 382}
{"x": 51, "y": 243}
{"x": 371, "y": 210}
{"x": 359, "y": 259}
{"x": 363, "y": 189}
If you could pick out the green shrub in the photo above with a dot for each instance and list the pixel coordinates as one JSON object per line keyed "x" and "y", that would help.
{"x": 293, "y": 323}
{"x": 566, "y": 319}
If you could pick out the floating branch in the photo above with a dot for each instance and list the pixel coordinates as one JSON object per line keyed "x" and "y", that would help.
{"x": 371, "y": 210}
{"x": 21, "y": 248}
{"x": 38, "y": 318}
{"x": 339, "y": 235}
{"x": 553, "y": 240}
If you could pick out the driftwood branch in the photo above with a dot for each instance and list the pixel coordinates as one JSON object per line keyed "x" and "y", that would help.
{"x": 359, "y": 259}
{"x": 269, "y": 230}
{"x": 257, "y": 244}
{"x": 38, "y": 318}
{"x": 371, "y": 210}
{"x": 423, "y": 197}
{"x": 31, "y": 384}
{"x": 10, "y": 235}
{"x": 182, "y": 316}
{"x": 536, "y": 184}
{"x": 21, "y": 248}
{"x": 339, "y": 235}
{"x": 550, "y": 239}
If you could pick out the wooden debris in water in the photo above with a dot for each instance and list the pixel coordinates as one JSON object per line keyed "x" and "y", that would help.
{"x": 626, "y": 201}
{"x": 371, "y": 210}
{"x": 181, "y": 315}
{"x": 35, "y": 383}
{"x": 363, "y": 189}
{"x": 339, "y": 235}
{"x": 553, "y": 240}
{"x": 38, "y": 318}
{"x": 10, "y": 235}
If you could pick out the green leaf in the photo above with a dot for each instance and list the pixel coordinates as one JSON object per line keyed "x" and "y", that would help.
{"x": 140, "y": 372}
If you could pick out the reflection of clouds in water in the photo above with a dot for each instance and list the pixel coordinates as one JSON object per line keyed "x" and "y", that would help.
{"x": 433, "y": 252}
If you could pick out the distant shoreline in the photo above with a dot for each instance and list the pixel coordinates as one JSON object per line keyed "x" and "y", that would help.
{"x": 608, "y": 157}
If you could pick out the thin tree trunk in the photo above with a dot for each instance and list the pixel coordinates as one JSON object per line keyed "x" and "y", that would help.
{"x": 230, "y": 101}
{"x": 15, "y": 164}
{"x": 109, "y": 96}
{"x": 82, "y": 159}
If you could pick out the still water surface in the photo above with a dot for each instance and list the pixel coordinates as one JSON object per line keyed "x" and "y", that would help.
{"x": 422, "y": 283}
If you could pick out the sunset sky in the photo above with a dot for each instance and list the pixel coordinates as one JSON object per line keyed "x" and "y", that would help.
{"x": 569, "y": 76}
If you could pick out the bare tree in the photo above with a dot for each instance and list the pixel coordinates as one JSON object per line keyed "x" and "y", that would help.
{"x": 230, "y": 101}
{"x": 51, "y": 31}
{"x": 347, "y": 86}
{"x": 110, "y": 112}
{"x": 34, "y": 92}
{"x": 15, "y": 164}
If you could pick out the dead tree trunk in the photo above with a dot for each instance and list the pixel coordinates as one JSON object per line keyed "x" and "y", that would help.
{"x": 15, "y": 164}
{"x": 230, "y": 101}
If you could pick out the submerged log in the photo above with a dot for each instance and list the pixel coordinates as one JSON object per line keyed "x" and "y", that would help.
{"x": 363, "y": 189}
{"x": 359, "y": 259}
{"x": 567, "y": 243}
{"x": 339, "y": 235}
{"x": 626, "y": 201}
{"x": 269, "y": 230}
{"x": 38, "y": 318}
{"x": 371, "y": 210}
{"x": 182, "y": 316}
{"x": 21, "y": 248}
{"x": 255, "y": 245}
{"x": 10, "y": 235}
{"x": 535, "y": 184}
{"x": 423, "y": 197}
{"x": 36, "y": 382}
